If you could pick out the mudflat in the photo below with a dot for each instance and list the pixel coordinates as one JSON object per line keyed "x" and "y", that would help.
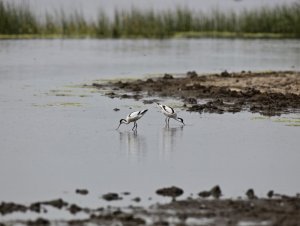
{"x": 269, "y": 93}
{"x": 208, "y": 208}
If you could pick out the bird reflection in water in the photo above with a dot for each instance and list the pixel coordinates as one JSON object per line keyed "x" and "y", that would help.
{"x": 169, "y": 138}
{"x": 132, "y": 144}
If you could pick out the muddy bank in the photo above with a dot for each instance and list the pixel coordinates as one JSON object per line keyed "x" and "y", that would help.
{"x": 274, "y": 209}
{"x": 269, "y": 93}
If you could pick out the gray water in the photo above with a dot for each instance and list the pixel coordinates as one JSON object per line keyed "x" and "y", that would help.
{"x": 56, "y": 137}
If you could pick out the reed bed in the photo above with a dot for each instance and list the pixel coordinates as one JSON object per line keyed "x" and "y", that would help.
{"x": 277, "y": 22}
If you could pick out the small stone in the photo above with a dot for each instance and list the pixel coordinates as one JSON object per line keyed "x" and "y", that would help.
{"x": 250, "y": 194}
{"x": 204, "y": 194}
{"x": 111, "y": 197}
{"x": 116, "y": 109}
{"x": 74, "y": 209}
{"x": 136, "y": 199}
{"x": 270, "y": 194}
{"x": 57, "y": 203}
{"x": 168, "y": 76}
{"x": 38, "y": 222}
{"x": 216, "y": 191}
{"x": 35, "y": 207}
{"x": 82, "y": 191}
{"x": 170, "y": 191}
{"x": 192, "y": 74}
{"x": 225, "y": 74}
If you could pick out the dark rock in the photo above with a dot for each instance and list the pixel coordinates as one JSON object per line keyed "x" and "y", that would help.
{"x": 38, "y": 222}
{"x": 192, "y": 74}
{"x": 116, "y": 109}
{"x": 191, "y": 100}
{"x": 125, "y": 96}
{"x": 270, "y": 194}
{"x": 204, "y": 194}
{"x": 129, "y": 218}
{"x": 35, "y": 207}
{"x": 74, "y": 209}
{"x": 123, "y": 85}
{"x": 57, "y": 203}
{"x": 250, "y": 194}
{"x": 148, "y": 101}
{"x": 111, "y": 94}
{"x": 216, "y": 191}
{"x": 225, "y": 74}
{"x": 170, "y": 191}
{"x": 168, "y": 76}
{"x": 10, "y": 207}
{"x": 97, "y": 85}
{"x": 136, "y": 199}
{"x": 84, "y": 191}
{"x": 111, "y": 197}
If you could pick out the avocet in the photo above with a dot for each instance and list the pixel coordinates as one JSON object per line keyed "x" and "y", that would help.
{"x": 133, "y": 117}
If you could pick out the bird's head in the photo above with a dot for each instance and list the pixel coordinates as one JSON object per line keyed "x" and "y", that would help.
{"x": 181, "y": 120}
{"x": 121, "y": 121}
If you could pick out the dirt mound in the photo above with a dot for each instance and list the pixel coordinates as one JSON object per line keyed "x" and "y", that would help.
{"x": 269, "y": 93}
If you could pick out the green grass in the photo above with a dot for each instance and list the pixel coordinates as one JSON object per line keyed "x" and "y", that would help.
{"x": 18, "y": 21}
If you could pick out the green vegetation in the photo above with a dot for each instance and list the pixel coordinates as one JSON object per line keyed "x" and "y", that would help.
{"x": 277, "y": 22}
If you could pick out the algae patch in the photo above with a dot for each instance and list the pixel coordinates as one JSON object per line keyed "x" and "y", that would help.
{"x": 287, "y": 121}
{"x": 63, "y": 104}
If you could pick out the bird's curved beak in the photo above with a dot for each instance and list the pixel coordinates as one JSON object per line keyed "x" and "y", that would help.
{"x": 118, "y": 126}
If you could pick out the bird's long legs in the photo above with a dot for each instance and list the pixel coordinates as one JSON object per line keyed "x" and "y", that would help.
{"x": 167, "y": 120}
{"x": 134, "y": 128}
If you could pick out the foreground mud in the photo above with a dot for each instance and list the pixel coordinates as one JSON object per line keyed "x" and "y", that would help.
{"x": 269, "y": 93}
{"x": 208, "y": 209}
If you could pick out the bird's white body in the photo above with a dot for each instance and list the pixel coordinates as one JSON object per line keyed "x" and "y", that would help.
{"x": 133, "y": 117}
{"x": 169, "y": 113}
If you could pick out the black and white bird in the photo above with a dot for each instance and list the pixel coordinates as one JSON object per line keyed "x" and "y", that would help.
{"x": 169, "y": 113}
{"x": 133, "y": 117}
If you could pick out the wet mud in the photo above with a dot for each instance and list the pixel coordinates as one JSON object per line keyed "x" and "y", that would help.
{"x": 274, "y": 209}
{"x": 268, "y": 93}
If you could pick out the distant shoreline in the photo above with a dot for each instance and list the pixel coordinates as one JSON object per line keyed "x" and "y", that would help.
{"x": 179, "y": 35}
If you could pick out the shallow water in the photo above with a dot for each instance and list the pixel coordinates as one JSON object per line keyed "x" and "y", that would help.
{"x": 56, "y": 137}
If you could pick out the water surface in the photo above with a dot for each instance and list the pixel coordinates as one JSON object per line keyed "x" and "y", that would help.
{"x": 56, "y": 137}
